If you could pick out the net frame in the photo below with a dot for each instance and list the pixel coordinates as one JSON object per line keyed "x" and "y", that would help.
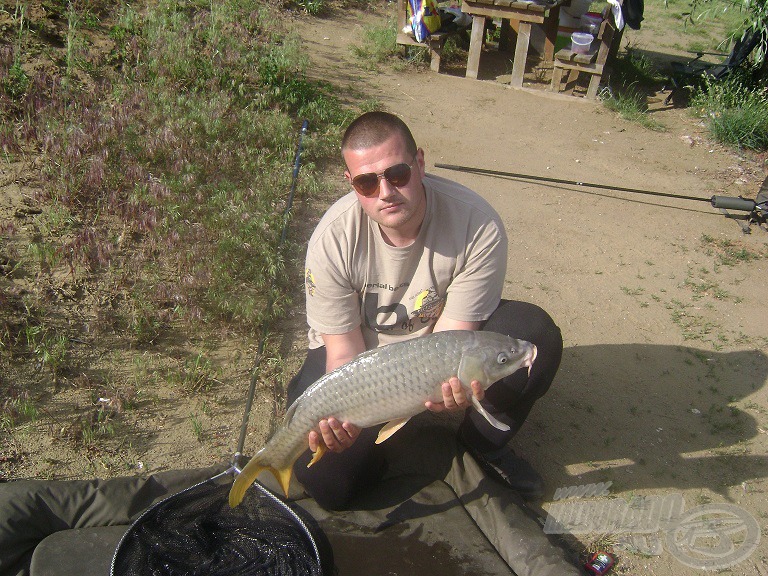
{"x": 155, "y": 532}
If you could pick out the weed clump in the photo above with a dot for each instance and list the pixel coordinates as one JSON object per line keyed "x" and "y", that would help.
{"x": 735, "y": 110}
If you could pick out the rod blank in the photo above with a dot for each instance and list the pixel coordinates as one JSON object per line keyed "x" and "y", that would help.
{"x": 571, "y": 182}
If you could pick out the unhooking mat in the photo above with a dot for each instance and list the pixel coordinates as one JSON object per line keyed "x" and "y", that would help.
{"x": 435, "y": 512}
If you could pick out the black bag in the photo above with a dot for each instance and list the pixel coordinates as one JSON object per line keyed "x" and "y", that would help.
{"x": 633, "y": 13}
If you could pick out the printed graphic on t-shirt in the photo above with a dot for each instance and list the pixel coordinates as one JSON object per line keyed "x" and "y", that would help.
{"x": 428, "y": 305}
{"x": 385, "y": 315}
{"x": 309, "y": 281}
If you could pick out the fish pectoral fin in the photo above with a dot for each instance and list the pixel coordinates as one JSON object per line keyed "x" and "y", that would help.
{"x": 317, "y": 454}
{"x": 533, "y": 359}
{"x": 491, "y": 420}
{"x": 390, "y": 428}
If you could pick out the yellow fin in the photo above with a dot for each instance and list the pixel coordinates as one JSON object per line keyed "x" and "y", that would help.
{"x": 283, "y": 477}
{"x": 244, "y": 480}
{"x": 390, "y": 428}
{"x": 321, "y": 450}
{"x": 250, "y": 473}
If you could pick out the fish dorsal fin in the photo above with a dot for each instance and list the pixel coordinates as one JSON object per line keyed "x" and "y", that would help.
{"x": 289, "y": 413}
{"x": 390, "y": 428}
{"x": 491, "y": 420}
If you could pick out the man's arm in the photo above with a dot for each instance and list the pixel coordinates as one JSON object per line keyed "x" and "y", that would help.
{"x": 341, "y": 348}
{"x": 444, "y": 323}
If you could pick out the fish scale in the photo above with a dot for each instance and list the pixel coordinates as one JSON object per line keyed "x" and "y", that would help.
{"x": 387, "y": 384}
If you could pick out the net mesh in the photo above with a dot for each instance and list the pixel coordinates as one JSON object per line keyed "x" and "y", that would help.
{"x": 195, "y": 532}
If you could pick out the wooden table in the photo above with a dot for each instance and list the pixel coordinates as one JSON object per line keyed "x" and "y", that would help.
{"x": 521, "y": 15}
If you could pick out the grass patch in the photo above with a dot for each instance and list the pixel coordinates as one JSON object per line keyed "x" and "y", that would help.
{"x": 693, "y": 326}
{"x": 730, "y": 253}
{"x": 201, "y": 100}
{"x": 197, "y": 428}
{"x": 735, "y": 111}
{"x": 196, "y": 374}
{"x": 633, "y": 75}
{"x": 631, "y": 104}
{"x": 379, "y": 44}
{"x": 633, "y": 66}
{"x": 701, "y": 288}
{"x": 17, "y": 407}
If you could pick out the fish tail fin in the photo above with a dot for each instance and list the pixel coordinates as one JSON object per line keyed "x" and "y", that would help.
{"x": 246, "y": 477}
{"x": 250, "y": 473}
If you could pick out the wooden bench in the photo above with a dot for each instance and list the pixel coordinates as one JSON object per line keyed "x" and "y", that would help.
{"x": 435, "y": 42}
{"x": 519, "y": 17}
{"x": 593, "y": 63}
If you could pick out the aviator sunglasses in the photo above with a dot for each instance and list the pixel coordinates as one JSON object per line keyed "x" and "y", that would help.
{"x": 398, "y": 175}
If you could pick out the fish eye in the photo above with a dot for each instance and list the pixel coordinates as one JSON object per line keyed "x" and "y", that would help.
{"x": 502, "y": 359}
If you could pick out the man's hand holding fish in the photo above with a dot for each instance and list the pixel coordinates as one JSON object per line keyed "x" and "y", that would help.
{"x": 338, "y": 436}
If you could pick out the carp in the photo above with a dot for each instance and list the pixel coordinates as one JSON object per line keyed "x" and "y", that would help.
{"x": 388, "y": 384}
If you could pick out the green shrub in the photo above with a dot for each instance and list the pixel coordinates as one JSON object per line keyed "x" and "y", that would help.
{"x": 16, "y": 82}
{"x": 735, "y": 111}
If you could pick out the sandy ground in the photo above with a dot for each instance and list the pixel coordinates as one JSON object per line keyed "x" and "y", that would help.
{"x": 661, "y": 391}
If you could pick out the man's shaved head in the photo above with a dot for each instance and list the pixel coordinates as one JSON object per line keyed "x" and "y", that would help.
{"x": 374, "y": 128}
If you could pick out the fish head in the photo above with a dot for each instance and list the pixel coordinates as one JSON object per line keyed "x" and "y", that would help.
{"x": 493, "y": 356}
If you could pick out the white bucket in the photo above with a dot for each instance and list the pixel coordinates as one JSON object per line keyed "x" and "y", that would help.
{"x": 581, "y": 42}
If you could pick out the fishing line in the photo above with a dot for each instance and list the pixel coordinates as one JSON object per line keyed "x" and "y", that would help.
{"x": 270, "y": 303}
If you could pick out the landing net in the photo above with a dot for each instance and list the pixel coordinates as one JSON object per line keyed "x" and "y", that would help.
{"x": 195, "y": 532}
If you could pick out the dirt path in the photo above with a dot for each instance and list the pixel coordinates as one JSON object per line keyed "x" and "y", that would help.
{"x": 662, "y": 387}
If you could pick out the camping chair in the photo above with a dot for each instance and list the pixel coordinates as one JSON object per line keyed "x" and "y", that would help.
{"x": 684, "y": 73}
{"x": 593, "y": 63}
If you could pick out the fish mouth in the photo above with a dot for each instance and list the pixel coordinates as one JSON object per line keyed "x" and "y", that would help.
{"x": 530, "y": 358}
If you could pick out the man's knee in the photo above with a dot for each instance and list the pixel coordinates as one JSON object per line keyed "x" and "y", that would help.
{"x": 330, "y": 494}
{"x": 529, "y": 322}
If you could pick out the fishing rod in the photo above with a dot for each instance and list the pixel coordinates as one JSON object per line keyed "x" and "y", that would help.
{"x": 758, "y": 210}
{"x": 265, "y": 327}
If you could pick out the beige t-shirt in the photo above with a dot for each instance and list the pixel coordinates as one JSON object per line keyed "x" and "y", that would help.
{"x": 456, "y": 267}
